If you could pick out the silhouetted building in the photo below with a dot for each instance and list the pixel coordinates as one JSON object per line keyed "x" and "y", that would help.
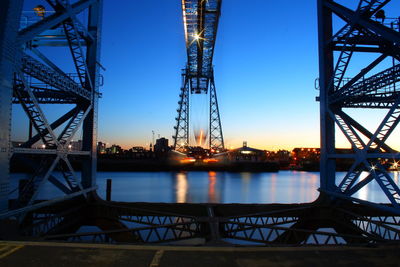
{"x": 114, "y": 149}
{"x": 101, "y": 148}
{"x": 305, "y": 158}
{"x": 138, "y": 149}
{"x": 161, "y": 145}
{"x": 282, "y": 157}
{"x": 305, "y": 154}
{"x": 243, "y": 154}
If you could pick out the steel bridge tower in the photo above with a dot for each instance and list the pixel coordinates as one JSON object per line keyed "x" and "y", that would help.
{"x": 200, "y": 20}
{"x": 372, "y": 86}
{"x": 30, "y": 78}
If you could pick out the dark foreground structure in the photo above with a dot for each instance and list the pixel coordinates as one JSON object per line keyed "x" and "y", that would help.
{"x": 49, "y": 254}
{"x": 29, "y": 78}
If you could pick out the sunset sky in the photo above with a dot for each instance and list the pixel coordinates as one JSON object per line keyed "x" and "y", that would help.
{"x": 266, "y": 63}
{"x": 265, "y": 66}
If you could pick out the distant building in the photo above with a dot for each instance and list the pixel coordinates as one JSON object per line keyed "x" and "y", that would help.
{"x": 138, "y": 149}
{"x": 283, "y": 155}
{"x": 305, "y": 154}
{"x": 114, "y": 149}
{"x": 243, "y": 154}
{"x": 305, "y": 158}
{"x": 161, "y": 145}
{"x": 101, "y": 148}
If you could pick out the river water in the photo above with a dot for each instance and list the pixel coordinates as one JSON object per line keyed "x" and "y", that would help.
{"x": 214, "y": 187}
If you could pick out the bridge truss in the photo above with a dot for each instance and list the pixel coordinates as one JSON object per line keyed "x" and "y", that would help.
{"x": 32, "y": 77}
{"x": 345, "y": 87}
{"x": 200, "y": 20}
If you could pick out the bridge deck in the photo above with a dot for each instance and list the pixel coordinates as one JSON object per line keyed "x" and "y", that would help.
{"x": 66, "y": 254}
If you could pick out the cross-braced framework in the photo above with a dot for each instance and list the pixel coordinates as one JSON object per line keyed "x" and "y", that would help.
{"x": 251, "y": 224}
{"x": 34, "y": 76}
{"x": 30, "y": 79}
{"x": 200, "y": 20}
{"x": 344, "y": 87}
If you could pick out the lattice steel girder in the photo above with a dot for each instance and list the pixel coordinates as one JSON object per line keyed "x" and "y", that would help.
{"x": 181, "y": 137}
{"x": 266, "y": 224}
{"x": 61, "y": 6}
{"x": 53, "y": 126}
{"x": 377, "y": 91}
{"x": 9, "y": 22}
{"x": 354, "y": 124}
{"x": 377, "y": 84}
{"x": 351, "y": 16}
{"x": 51, "y": 77}
{"x": 19, "y": 150}
{"x": 373, "y": 102}
{"x": 200, "y": 19}
{"x": 216, "y": 136}
{"x": 44, "y": 96}
{"x": 51, "y": 21}
{"x": 35, "y": 113}
{"x": 54, "y": 86}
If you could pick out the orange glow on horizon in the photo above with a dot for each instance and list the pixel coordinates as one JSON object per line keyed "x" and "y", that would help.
{"x": 264, "y": 141}
{"x": 210, "y": 160}
{"x": 188, "y": 160}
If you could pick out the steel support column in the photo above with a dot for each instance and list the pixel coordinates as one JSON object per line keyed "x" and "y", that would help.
{"x": 10, "y": 12}
{"x": 181, "y": 137}
{"x": 327, "y": 129}
{"x": 89, "y": 142}
{"x": 216, "y": 135}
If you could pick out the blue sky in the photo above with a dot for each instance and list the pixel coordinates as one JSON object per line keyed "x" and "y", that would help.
{"x": 265, "y": 65}
{"x": 266, "y": 62}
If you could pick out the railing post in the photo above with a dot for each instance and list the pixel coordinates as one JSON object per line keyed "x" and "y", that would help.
{"x": 108, "y": 189}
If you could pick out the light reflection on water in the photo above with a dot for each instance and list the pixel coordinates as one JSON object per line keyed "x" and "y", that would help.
{"x": 216, "y": 187}
{"x": 181, "y": 188}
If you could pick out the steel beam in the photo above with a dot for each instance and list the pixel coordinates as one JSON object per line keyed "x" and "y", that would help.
{"x": 10, "y": 12}
{"x": 19, "y": 150}
{"x": 89, "y": 129}
{"x": 352, "y": 16}
{"x": 327, "y": 165}
{"x": 18, "y": 212}
{"x": 181, "y": 137}
{"x": 51, "y": 77}
{"x": 216, "y": 136}
{"x": 49, "y": 22}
